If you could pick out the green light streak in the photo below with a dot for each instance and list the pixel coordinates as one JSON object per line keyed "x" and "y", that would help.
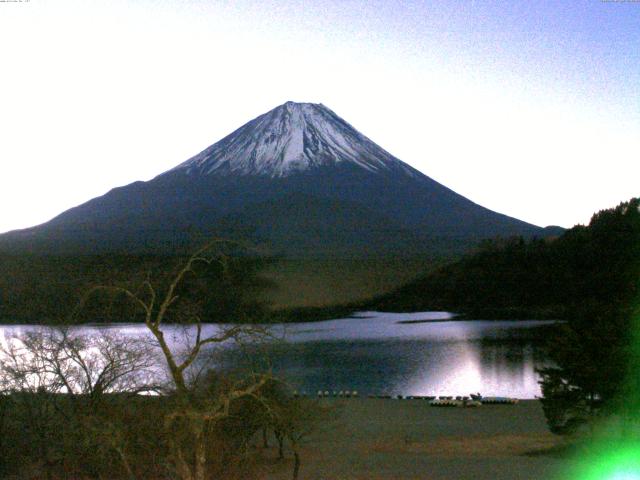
{"x": 617, "y": 457}
{"x": 617, "y": 462}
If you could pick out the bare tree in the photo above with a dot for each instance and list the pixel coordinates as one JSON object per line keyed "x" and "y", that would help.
{"x": 294, "y": 420}
{"x": 60, "y": 360}
{"x": 63, "y": 378}
{"x": 192, "y": 414}
{"x": 85, "y": 385}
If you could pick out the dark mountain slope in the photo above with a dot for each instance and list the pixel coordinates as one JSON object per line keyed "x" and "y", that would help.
{"x": 294, "y": 159}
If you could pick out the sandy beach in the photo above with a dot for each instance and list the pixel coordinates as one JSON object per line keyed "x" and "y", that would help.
{"x": 409, "y": 439}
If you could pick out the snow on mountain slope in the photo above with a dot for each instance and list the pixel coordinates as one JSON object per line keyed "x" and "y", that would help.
{"x": 291, "y": 138}
{"x": 297, "y": 179}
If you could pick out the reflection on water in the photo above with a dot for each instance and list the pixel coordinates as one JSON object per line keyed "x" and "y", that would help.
{"x": 374, "y": 353}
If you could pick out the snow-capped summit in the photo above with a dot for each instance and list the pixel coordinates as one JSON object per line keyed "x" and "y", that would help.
{"x": 291, "y": 138}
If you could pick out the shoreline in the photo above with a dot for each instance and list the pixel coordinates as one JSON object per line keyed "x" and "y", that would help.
{"x": 391, "y": 439}
{"x": 351, "y": 315}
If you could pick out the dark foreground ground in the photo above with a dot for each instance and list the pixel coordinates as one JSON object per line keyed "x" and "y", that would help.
{"x": 408, "y": 439}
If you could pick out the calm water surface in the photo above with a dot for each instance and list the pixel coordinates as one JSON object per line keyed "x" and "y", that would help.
{"x": 375, "y": 352}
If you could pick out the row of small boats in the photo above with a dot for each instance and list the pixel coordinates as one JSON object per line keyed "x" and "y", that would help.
{"x": 474, "y": 400}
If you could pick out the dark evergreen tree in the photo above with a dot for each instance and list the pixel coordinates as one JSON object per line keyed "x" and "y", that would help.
{"x": 596, "y": 351}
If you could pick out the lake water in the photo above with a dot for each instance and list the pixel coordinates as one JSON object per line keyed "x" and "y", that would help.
{"x": 378, "y": 353}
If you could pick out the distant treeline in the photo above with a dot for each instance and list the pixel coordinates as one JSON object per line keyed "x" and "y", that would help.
{"x": 586, "y": 269}
{"x": 52, "y": 289}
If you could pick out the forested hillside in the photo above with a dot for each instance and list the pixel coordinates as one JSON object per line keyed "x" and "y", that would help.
{"x": 587, "y": 268}
{"x": 50, "y": 288}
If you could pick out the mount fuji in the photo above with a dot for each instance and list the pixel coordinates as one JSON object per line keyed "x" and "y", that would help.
{"x": 299, "y": 180}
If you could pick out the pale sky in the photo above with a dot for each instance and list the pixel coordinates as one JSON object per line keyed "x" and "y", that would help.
{"x": 529, "y": 108}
